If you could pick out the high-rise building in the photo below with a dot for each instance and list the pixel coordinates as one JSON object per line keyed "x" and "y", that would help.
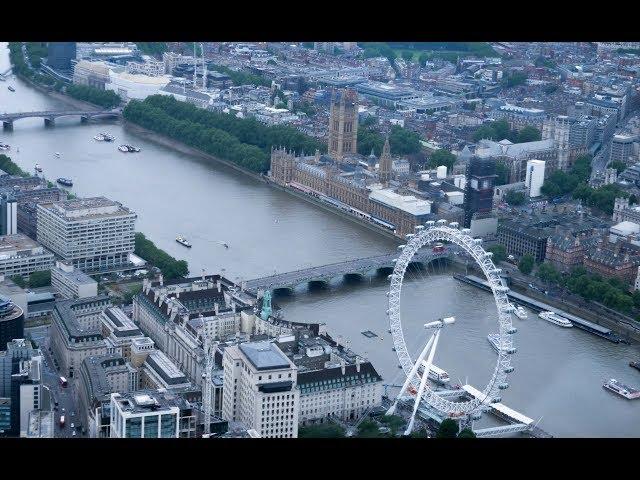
{"x": 622, "y": 149}
{"x": 260, "y": 389}
{"x": 343, "y": 124}
{"x": 384, "y": 173}
{"x": 481, "y": 175}
{"x": 93, "y": 234}
{"x": 535, "y": 177}
{"x": 8, "y": 214}
{"x": 11, "y": 322}
{"x": 60, "y": 55}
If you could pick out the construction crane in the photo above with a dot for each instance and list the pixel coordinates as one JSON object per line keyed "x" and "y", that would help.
{"x": 207, "y": 385}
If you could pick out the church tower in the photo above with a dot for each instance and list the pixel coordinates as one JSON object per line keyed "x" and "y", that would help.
{"x": 384, "y": 172}
{"x": 343, "y": 124}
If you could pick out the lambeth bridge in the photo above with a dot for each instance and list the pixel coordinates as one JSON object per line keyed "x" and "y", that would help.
{"x": 359, "y": 267}
{"x": 50, "y": 116}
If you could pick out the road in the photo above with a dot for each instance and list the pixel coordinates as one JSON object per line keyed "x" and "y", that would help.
{"x": 66, "y": 397}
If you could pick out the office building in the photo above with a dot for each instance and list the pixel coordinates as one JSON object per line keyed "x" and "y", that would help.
{"x": 20, "y": 255}
{"x": 535, "y": 177}
{"x": 11, "y": 322}
{"x": 60, "y": 54}
{"x": 93, "y": 234}
{"x": 480, "y": 179}
{"x": 528, "y": 234}
{"x": 622, "y": 149}
{"x": 334, "y": 381}
{"x": 8, "y": 214}
{"x": 119, "y": 332}
{"x": 91, "y": 74}
{"x": 176, "y": 314}
{"x": 343, "y": 124}
{"x": 260, "y": 389}
{"x": 135, "y": 86}
{"x": 151, "y": 414}
{"x": 76, "y": 332}
{"x": 71, "y": 282}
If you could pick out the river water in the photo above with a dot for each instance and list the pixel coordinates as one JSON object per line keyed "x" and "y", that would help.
{"x": 559, "y": 372}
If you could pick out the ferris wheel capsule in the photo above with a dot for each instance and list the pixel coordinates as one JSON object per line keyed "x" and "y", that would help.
{"x": 409, "y": 235}
{"x": 496, "y": 399}
{"x": 442, "y": 221}
{"x": 401, "y": 247}
{"x": 454, "y": 224}
{"x": 430, "y": 223}
{"x": 511, "y": 350}
{"x": 512, "y": 330}
{"x": 465, "y": 231}
{"x": 419, "y": 227}
{"x": 508, "y": 369}
{"x": 503, "y": 386}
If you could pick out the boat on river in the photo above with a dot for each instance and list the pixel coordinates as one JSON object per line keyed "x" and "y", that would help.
{"x": 5, "y": 146}
{"x": 183, "y": 241}
{"x": 555, "y": 318}
{"x": 128, "y": 149}
{"x": 11, "y": 88}
{"x": 65, "y": 181}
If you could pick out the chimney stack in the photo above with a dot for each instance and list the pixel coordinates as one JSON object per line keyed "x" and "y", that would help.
{"x": 343, "y": 366}
{"x": 216, "y": 307}
{"x": 358, "y": 364}
{"x": 161, "y": 280}
{"x": 203, "y": 275}
{"x": 219, "y": 286}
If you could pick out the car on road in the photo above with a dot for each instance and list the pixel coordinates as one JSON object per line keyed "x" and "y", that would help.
{"x": 63, "y": 409}
{"x": 74, "y": 433}
{"x": 73, "y": 426}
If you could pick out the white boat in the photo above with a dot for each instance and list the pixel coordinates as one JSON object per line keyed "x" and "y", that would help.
{"x": 621, "y": 389}
{"x": 556, "y": 319}
{"x": 4, "y": 146}
{"x": 183, "y": 241}
{"x": 38, "y": 168}
{"x": 520, "y": 312}
{"x": 99, "y": 137}
{"x": 128, "y": 149}
{"x": 57, "y": 154}
{"x": 436, "y": 374}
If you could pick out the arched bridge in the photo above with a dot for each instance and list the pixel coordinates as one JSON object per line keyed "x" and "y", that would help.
{"x": 50, "y": 116}
{"x": 325, "y": 273}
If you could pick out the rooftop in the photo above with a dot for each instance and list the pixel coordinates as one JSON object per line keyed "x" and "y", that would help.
{"x": 264, "y": 355}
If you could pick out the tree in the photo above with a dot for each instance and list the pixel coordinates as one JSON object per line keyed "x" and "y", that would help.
{"x": 19, "y": 280}
{"x": 515, "y": 198}
{"x": 326, "y": 430}
{"x": 503, "y": 173}
{"x": 394, "y": 422}
{"x": 407, "y": 56}
{"x": 466, "y": 433}
{"x": 448, "y": 429}
{"x": 423, "y": 59}
{"x": 548, "y": 273}
{"x": 499, "y": 253}
{"x": 529, "y": 134}
{"x": 619, "y": 165}
{"x": 513, "y": 79}
{"x": 442, "y": 157}
{"x": 369, "y": 429}
{"x": 526, "y": 264}
{"x": 40, "y": 279}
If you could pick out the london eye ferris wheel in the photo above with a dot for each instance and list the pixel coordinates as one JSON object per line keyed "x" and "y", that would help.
{"x": 460, "y": 239}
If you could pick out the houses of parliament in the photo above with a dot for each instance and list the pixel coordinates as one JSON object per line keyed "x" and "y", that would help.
{"x": 341, "y": 178}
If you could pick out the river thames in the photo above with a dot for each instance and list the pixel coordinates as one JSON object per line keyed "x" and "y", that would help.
{"x": 558, "y": 372}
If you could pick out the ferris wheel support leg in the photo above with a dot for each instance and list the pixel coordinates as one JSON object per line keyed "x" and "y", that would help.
{"x": 423, "y": 382}
{"x": 411, "y": 375}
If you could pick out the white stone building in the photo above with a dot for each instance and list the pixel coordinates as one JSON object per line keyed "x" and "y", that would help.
{"x": 75, "y": 332}
{"x": 20, "y": 255}
{"x": 93, "y": 234}
{"x": 260, "y": 389}
{"x": 71, "y": 282}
